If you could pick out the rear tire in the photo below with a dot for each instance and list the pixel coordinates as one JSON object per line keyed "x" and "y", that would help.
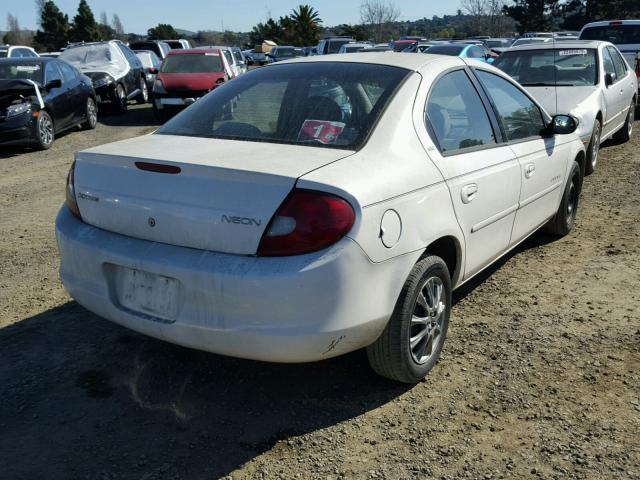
{"x": 624, "y": 134}
{"x": 564, "y": 219}
{"x": 593, "y": 150}
{"x": 91, "y": 115}
{"x": 411, "y": 343}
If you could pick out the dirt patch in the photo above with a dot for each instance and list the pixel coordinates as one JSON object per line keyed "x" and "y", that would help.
{"x": 540, "y": 376}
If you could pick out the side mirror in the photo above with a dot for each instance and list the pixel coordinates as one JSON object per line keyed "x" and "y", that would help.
{"x": 56, "y": 83}
{"x": 609, "y": 78}
{"x": 563, "y": 124}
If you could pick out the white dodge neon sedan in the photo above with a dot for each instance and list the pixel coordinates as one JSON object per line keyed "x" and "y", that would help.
{"x": 318, "y": 206}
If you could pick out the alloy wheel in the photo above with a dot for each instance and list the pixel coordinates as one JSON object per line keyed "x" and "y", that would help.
{"x": 632, "y": 115}
{"x": 595, "y": 146}
{"x": 92, "y": 112}
{"x": 427, "y": 320}
{"x": 571, "y": 203}
{"x": 45, "y": 129}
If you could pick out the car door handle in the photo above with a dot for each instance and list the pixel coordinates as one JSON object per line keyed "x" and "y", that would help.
{"x": 529, "y": 170}
{"x": 468, "y": 192}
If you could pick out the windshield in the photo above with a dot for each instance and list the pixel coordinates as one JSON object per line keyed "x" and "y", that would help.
{"x": 287, "y": 52}
{"x": 618, "y": 34}
{"x": 453, "y": 50}
{"x": 238, "y": 55}
{"x": 494, "y": 43}
{"x": 19, "y": 71}
{"x": 561, "y": 67}
{"x": 192, "y": 63}
{"x": 333, "y": 46}
{"x": 326, "y": 104}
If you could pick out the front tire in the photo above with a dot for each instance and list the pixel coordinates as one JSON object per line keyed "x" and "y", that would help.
{"x": 593, "y": 150}
{"x": 120, "y": 99}
{"x": 45, "y": 131}
{"x": 624, "y": 134}
{"x": 411, "y": 343}
{"x": 564, "y": 219}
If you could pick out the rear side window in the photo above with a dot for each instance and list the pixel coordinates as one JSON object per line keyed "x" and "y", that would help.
{"x": 520, "y": 116}
{"x": 323, "y": 104}
{"x": 456, "y": 114}
{"x": 192, "y": 63}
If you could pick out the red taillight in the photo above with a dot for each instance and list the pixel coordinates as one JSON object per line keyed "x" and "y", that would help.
{"x": 615, "y": 23}
{"x": 72, "y": 204}
{"x": 307, "y": 221}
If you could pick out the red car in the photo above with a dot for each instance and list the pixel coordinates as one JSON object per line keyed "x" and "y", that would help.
{"x": 185, "y": 76}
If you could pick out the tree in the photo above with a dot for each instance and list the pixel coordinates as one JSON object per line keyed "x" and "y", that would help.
{"x": 488, "y": 17}
{"x": 54, "y": 33}
{"x": 15, "y": 35}
{"x": 162, "y": 31}
{"x": 359, "y": 32}
{"x": 306, "y": 23}
{"x": 378, "y": 16}
{"x": 84, "y": 28}
{"x": 578, "y": 12}
{"x": 117, "y": 24}
{"x": 532, "y": 15}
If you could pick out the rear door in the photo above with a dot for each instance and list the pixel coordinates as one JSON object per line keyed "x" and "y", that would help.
{"x": 625, "y": 83}
{"x": 611, "y": 95}
{"x": 542, "y": 158}
{"x": 482, "y": 173}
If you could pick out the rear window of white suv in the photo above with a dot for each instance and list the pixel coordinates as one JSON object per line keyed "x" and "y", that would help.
{"x": 326, "y": 104}
{"x": 616, "y": 34}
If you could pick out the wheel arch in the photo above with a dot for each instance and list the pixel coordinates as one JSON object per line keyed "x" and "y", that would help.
{"x": 581, "y": 160}
{"x": 449, "y": 248}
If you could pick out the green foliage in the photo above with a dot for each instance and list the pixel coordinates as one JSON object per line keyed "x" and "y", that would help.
{"x": 359, "y": 32}
{"x": 301, "y": 28}
{"x": 84, "y": 28}
{"x": 54, "y": 32}
{"x": 162, "y": 31}
{"x": 576, "y": 13}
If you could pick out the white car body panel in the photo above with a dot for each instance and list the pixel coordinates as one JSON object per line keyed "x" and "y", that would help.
{"x": 209, "y": 290}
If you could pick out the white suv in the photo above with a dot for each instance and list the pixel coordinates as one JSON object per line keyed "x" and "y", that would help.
{"x": 625, "y": 34}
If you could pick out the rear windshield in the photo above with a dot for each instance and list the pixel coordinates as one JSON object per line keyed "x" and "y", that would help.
{"x": 192, "y": 63}
{"x": 561, "y": 67}
{"x": 289, "y": 52}
{"x": 527, "y": 41}
{"x": 19, "y": 71}
{"x": 618, "y": 34}
{"x": 453, "y": 50}
{"x": 328, "y": 104}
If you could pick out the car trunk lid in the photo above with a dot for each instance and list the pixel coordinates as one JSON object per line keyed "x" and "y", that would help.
{"x": 202, "y": 193}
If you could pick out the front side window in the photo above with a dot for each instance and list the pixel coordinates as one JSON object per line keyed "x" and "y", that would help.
{"x": 322, "y": 104}
{"x": 607, "y": 62}
{"x": 549, "y": 67}
{"x": 618, "y": 63}
{"x": 520, "y": 116}
{"x": 456, "y": 114}
{"x": 52, "y": 72}
{"x": 68, "y": 72}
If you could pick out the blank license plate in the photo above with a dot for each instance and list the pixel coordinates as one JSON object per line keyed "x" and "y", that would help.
{"x": 148, "y": 293}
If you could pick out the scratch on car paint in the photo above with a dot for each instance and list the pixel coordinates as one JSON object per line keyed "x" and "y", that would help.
{"x": 334, "y": 343}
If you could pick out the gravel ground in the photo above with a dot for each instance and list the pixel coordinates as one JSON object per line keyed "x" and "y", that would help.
{"x": 540, "y": 375}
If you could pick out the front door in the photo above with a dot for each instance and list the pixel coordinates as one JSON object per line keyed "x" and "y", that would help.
{"x": 540, "y": 156}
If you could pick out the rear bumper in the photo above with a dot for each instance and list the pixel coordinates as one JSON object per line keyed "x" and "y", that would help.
{"x": 290, "y": 309}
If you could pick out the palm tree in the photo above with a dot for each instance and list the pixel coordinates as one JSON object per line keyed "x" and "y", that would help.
{"x": 307, "y": 22}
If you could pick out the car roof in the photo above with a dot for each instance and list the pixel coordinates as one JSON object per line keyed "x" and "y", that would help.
{"x": 563, "y": 45}
{"x": 611, "y": 23}
{"x": 409, "y": 61}
{"x": 190, "y": 51}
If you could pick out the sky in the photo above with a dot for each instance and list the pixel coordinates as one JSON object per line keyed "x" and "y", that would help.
{"x": 236, "y": 15}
